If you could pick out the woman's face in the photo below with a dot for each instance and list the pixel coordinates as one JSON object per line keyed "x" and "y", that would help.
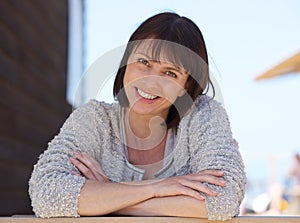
{"x": 152, "y": 86}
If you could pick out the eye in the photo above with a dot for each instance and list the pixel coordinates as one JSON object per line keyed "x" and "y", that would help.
{"x": 144, "y": 61}
{"x": 171, "y": 74}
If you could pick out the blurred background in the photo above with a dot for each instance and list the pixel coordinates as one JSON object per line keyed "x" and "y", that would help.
{"x": 47, "y": 49}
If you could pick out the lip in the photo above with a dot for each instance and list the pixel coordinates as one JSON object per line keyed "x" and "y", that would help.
{"x": 145, "y": 100}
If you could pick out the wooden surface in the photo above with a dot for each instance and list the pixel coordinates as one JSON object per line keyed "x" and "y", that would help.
{"x": 243, "y": 219}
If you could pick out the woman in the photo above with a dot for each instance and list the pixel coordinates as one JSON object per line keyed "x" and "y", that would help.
{"x": 165, "y": 149}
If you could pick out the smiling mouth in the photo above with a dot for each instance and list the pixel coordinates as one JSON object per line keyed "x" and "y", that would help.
{"x": 146, "y": 95}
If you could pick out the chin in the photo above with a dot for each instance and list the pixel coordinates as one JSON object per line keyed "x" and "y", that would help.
{"x": 141, "y": 110}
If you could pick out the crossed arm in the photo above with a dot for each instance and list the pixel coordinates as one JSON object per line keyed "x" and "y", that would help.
{"x": 174, "y": 196}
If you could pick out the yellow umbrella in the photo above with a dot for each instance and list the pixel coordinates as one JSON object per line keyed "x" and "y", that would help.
{"x": 290, "y": 65}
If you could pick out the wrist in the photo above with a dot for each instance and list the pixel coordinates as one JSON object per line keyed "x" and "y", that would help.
{"x": 143, "y": 187}
{"x": 149, "y": 190}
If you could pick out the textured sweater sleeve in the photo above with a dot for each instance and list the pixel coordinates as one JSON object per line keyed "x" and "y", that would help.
{"x": 212, "y": 147}
{"x": 53, "y": 189}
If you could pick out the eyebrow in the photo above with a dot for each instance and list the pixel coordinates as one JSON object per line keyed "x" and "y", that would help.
{"x": 172, "y": 67}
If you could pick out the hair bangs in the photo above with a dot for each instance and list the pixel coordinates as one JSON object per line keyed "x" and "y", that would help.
{"x": 169, "y": 52}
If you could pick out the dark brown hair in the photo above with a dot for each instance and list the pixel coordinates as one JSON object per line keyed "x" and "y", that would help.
{"x": 185, "y": 36}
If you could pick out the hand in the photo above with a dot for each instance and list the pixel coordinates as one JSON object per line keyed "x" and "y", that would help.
{"x": 88, "y": 167}
{"x": 190, "y": 185}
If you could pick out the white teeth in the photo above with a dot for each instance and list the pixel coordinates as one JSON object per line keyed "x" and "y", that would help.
{"x": 145, "y": 95}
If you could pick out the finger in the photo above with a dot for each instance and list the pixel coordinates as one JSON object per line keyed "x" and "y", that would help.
{"x": 94, "y": 167}
{"x": 94, "y": 163}
{"x": 211, "y": 172}
{"x": 83, "y": 169}
{"x": 90, "y": 159}
{"x": 76, "y": 174}
{"x": 99, "y": 176}
{"x": 200, "y": 187}
{"x": 191, "y": 193}
{"x": 83, "y": 158}
{"x": 209, "y": 176}
{"x": 178, "y": 189}
{"x": 212, "y": 180}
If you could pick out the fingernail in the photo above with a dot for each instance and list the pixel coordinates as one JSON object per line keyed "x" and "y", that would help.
{"x": 213, "y": 192}
{"x": 223, "y": 182}
{"x": 201, "y": 197}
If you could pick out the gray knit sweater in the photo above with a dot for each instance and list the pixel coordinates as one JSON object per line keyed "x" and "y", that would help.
{"x": 203, "y": 141}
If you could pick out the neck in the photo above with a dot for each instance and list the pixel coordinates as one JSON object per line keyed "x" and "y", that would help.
{"x": 144, "y": 131}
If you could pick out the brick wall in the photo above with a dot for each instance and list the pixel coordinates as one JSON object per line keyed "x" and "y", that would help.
{"x": 33, "y": 59}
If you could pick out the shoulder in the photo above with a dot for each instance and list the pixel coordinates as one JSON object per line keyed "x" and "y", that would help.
{"x": 94, "y": 107}
{"x": 206, "y": 109}
{"x": 208, "y": 104}
{"x": 90, "y": 114}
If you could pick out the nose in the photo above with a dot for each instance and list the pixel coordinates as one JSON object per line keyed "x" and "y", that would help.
{"x": 152, "y": 81}
{"x": 153, "y": 76}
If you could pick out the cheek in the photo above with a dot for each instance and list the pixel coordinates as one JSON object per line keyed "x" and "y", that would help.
{"x": 133, "y": 73}
{"x": 172, "y": 90}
